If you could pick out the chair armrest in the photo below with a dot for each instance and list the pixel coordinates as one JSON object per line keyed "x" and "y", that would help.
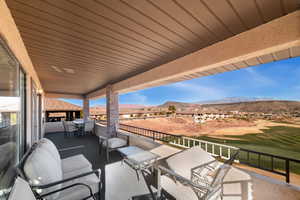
{"x": 97, "y": 171}
{"x": 121, "y": 133}
{"x": 182, "y": 179}
{"x": 102, "y": 137}
{"x": 205, "y": 165}
{"x": 71, "y": 148}
{"x": 69, "y": 186}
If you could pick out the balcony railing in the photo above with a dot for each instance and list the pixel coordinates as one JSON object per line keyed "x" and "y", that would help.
{"x": 279, "y": 165}
{"x": 155, "y": 135}
{"x": 215, "y": 149}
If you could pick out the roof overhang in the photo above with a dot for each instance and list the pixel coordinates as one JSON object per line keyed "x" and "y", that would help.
{"x": 276, "y": 40}
{"x": 78, "y": 48}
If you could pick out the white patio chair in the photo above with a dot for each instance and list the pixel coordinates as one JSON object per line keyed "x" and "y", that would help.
{"x": 113, "y": 143}
{"x": 56, "y": 178}
{"x": 89, "y": 126}
{"x": 70, "y": 128}
{"x": 192, "y": 175}
{"x": 21, "y": 191}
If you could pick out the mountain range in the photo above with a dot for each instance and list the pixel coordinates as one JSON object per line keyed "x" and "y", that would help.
{"x": 233, "y": 100}
{"x": 265, "y": 106}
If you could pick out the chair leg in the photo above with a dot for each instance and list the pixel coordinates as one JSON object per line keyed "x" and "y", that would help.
{"x": 101, "y": 147}
{"x": 107, "y": 155}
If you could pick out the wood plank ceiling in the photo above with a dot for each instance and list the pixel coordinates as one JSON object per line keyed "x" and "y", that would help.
{"x": 77, "y": 46}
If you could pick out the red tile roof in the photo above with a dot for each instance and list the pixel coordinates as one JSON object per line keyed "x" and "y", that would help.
{"x": 59, "y": 105}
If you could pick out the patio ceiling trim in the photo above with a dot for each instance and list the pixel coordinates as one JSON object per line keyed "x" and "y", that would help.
{"x": 278, "y": 39}
{"x": 63, "y": 95}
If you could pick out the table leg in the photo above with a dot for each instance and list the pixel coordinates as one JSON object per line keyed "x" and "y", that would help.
{"x": 148, "y": 185}
{"x": 158, "y": 184}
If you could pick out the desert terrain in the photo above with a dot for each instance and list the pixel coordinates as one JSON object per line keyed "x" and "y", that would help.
{"x": 216, "y": 128}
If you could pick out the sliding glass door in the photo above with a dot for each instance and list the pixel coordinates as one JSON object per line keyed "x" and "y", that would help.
{"x": 12, "y": 120}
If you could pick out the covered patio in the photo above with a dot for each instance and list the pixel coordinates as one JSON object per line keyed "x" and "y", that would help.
{"x": 117, "y": 176}
{"x": 93, "y": 49}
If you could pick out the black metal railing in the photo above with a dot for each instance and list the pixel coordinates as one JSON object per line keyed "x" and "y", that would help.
{"x": 276, "y": 164}
{"x": 155, "y": 135}
{"x": 279, "y": 165}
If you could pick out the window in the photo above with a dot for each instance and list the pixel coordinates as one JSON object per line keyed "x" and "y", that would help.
{"x": 12, "y": 134}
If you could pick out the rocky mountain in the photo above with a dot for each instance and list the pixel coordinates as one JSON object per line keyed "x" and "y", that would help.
{"x": 179, "y": 104}
{"x": 266, "y": 106}
{"x": 257, "y": 106}
{"x": 233, "y": 100}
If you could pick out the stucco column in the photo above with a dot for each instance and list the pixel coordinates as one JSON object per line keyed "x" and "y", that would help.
{"x": 86, "y": 109}
{"x": 112, "y": 111}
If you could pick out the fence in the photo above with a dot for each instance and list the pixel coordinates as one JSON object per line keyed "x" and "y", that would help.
{"x": 269, "y": 162}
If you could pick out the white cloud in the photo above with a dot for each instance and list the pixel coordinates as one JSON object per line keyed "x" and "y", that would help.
{"x": 136, "y": 98}
{"x": 259, "y": 79}
{"x": 197, "y": 92}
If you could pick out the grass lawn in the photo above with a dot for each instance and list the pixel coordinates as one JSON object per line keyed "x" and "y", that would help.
{"x": 278, "y": 140}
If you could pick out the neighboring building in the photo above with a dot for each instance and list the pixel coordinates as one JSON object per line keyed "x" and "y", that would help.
{"x": 58, "y": 110}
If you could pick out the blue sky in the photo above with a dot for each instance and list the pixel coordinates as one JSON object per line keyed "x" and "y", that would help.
{"x": 276, "y": 80}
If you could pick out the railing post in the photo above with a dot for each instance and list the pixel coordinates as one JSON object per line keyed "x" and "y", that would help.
{"x": 272, "y": 163}
{"x": 153, "y": 136}
{"x": 287, "y": 170}
{"x": 221, "y": 151}
{"x": 229, "y": 152}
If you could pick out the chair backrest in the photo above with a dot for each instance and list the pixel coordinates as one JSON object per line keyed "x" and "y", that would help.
{"x": 51, "y": 148}
{"x": 69, "y": 126}
{"x": 89, "y": 125}
{"x": 40, "y": 167}
{"x": 182, "y": 162}
{"x": 21, "y": 190}
{"x": 65, "y": 125}
{"x": 219, "y": 175}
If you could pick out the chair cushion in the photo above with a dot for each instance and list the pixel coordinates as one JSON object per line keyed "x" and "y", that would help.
{"x": 115, "y": 142}
{"x": 183, "y": 162}
{"x": 51, "y": 148}
{"x": 42, "y": 168}
{"x": 74, "y": 163}
{"x": 79, "y": 192}
{"x": 182, "y": 192}
{"x": 177, "y": 190}
{"x": 21, "y": 190}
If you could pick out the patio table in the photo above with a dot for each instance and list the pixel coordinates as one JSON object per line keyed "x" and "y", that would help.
{"x": 137, "y": 158}
{"x": 140, "y": 160}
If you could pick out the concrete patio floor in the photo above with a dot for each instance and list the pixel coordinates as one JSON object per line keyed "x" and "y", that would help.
{"x": 264, "y": 188}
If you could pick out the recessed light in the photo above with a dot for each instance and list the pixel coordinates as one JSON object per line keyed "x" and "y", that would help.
{"x": 68, "y": 70}
{"x": 56, "y": 68}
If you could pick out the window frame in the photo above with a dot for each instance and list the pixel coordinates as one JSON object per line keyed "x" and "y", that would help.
{"x": 22, "y": 118}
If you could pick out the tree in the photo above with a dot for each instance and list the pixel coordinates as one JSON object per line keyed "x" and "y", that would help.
{"x": 172, "y": 108}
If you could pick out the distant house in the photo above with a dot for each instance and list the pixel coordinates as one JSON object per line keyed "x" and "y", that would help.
{"x": 58, "y": 110}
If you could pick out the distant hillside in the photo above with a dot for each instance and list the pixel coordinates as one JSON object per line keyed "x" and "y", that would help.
{"x": 266, "y": 106}
{"x": 233, "y": 100}
{"x": 123, "y": 106}
{"x": 257, "y": 106}
{"x": 179, "y": 104}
